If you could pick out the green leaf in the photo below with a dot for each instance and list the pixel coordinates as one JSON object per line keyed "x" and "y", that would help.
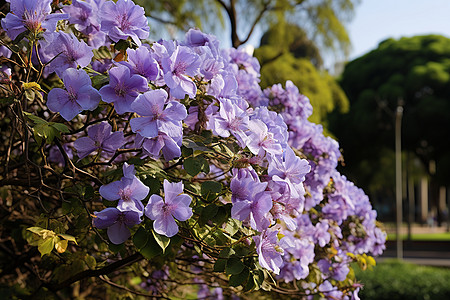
{"x": 60, "y": 127}
{"x": 151, "y": 249}
{"x": 163, "y": 241}
{"x": 99, "y": 80}
{"x": 226, "y": 253}
{"x": 46, "y": 246}
{"x": 232, "y": 226}
{"x": 140, "y": 238}
{"x": 154, "y": 184}
{"x": 146, "y": 244}
{"x": 37, "y": 230}
{"x": 68, "y": 237}
{"x": 115, "y": 248}
{"x": 90, "y": 262}
{"x": 234, "y": 266}
{"x": 192, "y": 165}
{"x": 211, "y": 189}
{"x": 240, "y": 278}
{"x": 35, "y": 119}
{"x": 221, "y": 215}
{"x": 208, "y": 213}
{"x": 220, "y": 265}
{"x": 185, "y": 152}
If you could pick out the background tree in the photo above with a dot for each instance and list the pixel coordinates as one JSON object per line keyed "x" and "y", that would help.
{"x": 323, "y": 21}
{"x": 416, "y": 72}
{"x": 286, "y": 53}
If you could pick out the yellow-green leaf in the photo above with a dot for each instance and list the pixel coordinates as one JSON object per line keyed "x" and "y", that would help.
{"x": 37, "y": 230}
{"x": 68, "y": 237}
{"x": 47, "y": 246}
{"x": 163, "y": 241}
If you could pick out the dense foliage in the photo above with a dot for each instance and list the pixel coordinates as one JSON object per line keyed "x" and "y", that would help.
{"x": 400, "y": 280}
{"x": 285, "y": 54}
{"x": 413, "y": 72}
{"x": 136, "y": 167}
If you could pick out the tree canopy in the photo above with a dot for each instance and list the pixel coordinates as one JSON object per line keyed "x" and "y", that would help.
{"x": 286, "y": 53}
{"x": 413, "y": 72}
{"x": 323, "y": 20}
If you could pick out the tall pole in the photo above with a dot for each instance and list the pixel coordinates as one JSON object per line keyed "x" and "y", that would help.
{"x": 398, "y": 178}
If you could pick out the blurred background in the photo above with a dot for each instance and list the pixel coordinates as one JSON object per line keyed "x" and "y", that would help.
{"x": 377, "y": 73}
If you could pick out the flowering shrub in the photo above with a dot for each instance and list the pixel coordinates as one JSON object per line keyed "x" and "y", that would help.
{"x": 152, "y": 165}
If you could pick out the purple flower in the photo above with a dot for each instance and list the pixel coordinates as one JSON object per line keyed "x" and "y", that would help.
{"x": 169, "y": 146}
{"x": 250, "y": 202}
{"x": 99, "y": 137}
{"x": 124, "y": 19}
{"x": 65, "y": 51}
{"x": 79, "y": 95}
{"x": 261, "y": 141}
{"x": 183, "y": 62}
{"x": 292, "y": 170}
{"x": 123, "y": 88}
{"x": 231, "y": 119}
{"x": 5, "y": 52}
{"x": 118, "y": 223}
{"x": 130, "y": 191}
{"x": 164, "y": 212}
{"x": 155, "y": 117}
{"x": 269, "y": 251}
{"x": 85, "y": 16}
{"x": 321, "y": 234}
{"x": 33, "y": 15}
{"x": 142, "y": 62}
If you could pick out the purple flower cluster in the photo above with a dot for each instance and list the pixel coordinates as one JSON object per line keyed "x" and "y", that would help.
{"x": 130, "y": 192}
{"x": 285, "y": 190}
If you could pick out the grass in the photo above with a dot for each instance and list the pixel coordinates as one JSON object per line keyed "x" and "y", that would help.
{"x": 438, "y": 236}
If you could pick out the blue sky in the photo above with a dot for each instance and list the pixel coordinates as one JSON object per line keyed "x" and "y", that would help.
{"x": 376, "y": 20}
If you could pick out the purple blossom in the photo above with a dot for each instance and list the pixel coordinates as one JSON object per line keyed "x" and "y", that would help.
{"x": 231, "y": 119}
{"x": 124, "y": 19}
{"x": 130, "y": 191}
{"x": 99, "y": 138}
{"x": 85, "y": 16}
{"x": 183, "y": 62}
{"x": 292, "y": 170}
{"x": 65, "y": 51}
{"x": 260, "y": 141}
{"x": 321, "y": 234}
{"x": 4, "y": 51}
{"x": 297, "y": 258}
{"x": 142, "y": 62}
{"x": 118, "y": 223}
{"x": 155, "y": 117}
{"x": 123, "y": 88}
{"x": 78, "y": 95}
{"x": 250, "y": 202}
{"x": 170, "y": 147}
{"x": 33, "y": 15}
{"x": 269, "y": 250}
{"x": 165, "y": 211}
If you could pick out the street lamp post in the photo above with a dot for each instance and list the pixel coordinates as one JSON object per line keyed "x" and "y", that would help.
{"x": 398, "y": 178}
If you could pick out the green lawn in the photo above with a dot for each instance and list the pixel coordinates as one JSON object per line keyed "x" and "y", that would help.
{"x": 444, "y": 236}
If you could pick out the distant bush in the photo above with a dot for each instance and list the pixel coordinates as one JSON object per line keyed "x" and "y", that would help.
{"x": 398, "y": 280}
